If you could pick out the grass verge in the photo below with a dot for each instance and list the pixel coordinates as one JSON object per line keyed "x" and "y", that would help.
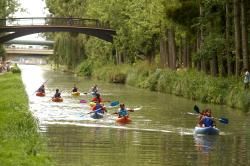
{"x": 20, "y": 142}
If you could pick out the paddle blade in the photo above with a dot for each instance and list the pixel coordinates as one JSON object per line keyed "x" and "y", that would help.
{"x": 114, "y": 103}
{"x": 83, "y": 101}
{"x": 137, "y": 109}
{"x": 224, "y": 120}
{"x": 196, "y": 109}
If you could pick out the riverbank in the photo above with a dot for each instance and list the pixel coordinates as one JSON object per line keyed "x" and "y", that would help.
{"x": 20, "y": 142}
{"x": 191, "y": 84}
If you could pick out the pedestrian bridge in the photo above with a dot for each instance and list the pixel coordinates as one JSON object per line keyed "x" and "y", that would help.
{"x": 28, "y": 55}
{"x": 28, "y": 51}
{"x": 12, "y": 28}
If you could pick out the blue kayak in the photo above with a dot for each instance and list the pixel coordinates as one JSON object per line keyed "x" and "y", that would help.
{"x": 206, "y": 130}
{"x": 96, "y": 115}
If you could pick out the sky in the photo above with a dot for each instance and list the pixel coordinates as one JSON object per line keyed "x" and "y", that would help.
{"x": 34, "y": 8}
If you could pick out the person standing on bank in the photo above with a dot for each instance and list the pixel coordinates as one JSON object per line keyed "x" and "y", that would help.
{"x": 246, "y": 78}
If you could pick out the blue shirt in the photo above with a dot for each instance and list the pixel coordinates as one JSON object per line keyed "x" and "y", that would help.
{"x": 208, "y": 121}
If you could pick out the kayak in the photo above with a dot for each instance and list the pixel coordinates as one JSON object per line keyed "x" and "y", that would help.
{"x": 40, "y": 94}
{"x": 75, "y": 93}
{"x": 57, "y": 99}
{"x": 96, "y": 115}
{"x": 124, "y": 119}
{"x": 207, "y": 130}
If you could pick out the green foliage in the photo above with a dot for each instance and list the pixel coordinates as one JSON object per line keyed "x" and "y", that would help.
{"x": 69, "y": 50}
{"x": 20, "y": 142}
{"x": 15, "y": 69}
{"x": 245, "y": 98}
{"x": 85, "y": 68}
{"x": 8, "y": 7}
{"x": 214, "y": 44}
{"x": 138, "y": 74}
{"x": 111, "y": 73}
{"x": 2, "y": 51}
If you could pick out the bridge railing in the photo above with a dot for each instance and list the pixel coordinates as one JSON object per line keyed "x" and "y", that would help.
{"x": 52, "y": 21}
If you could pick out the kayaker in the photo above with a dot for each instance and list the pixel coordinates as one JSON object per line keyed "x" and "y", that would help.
{"x": 202, "y": 114}
{"x": 122, "y": 112}
{"x": 57, "y": 94}
{"x": 97, "y": 98}
{"x": 207, "y": 120}
{"x": 41, "y": 89}
{"x": 99, "y": 108}
{"x": 94, "y": 90}
{"x": 74, "y": 89}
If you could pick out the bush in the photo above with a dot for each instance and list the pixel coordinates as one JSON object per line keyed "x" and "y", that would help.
{"x": 15, "y": 69}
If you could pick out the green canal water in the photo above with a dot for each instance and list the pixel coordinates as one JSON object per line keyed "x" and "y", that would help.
{"x": 161, "y": 133}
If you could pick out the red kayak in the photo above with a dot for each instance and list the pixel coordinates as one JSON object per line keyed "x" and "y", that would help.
{"x": 57, "y": 99}
{"x": 124, "y": 119}
{"x": 40, "y": 94}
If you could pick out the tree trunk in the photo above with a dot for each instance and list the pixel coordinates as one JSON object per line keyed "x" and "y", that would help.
{"x": 163, "y": 52}
{"x": 181, "y": 52}
{"x": 244, "y": 33}
{"x": 189, "y": 58}
{"x": 172, "y": 48}
{"x": 203, "y": 61}
{"x": 237, "y": 37}
{"x": 214, "y": 65}
{"x": 198, "y": 41}
{"x": 185, "y": 52}
{"x": 227, "y": 44}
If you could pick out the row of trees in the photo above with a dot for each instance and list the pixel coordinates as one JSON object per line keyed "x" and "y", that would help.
{"x": 209, "y": 35}
{"x": 7, "y": 9}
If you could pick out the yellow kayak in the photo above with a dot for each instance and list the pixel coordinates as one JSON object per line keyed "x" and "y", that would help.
{"x": 75, "y": 93}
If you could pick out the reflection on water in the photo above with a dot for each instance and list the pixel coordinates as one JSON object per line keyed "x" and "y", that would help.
{"x": 205, "y": 143}
{"x": 160, "y": 134}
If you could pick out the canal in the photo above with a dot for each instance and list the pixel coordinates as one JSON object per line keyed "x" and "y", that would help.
{"x": 161, "y": 133}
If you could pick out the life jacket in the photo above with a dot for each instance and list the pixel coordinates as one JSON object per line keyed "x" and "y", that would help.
{"x": 208, "y": 121}
{"x": 98, "y": 108}
{"x": 123, "y": 112}
{"x": 97, "y": 99}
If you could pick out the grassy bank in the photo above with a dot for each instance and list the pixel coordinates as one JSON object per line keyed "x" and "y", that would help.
{"x": 20, "y": 142}
{"x": 189, "y": 84}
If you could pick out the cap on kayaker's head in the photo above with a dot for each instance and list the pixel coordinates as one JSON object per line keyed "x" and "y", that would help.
{"x": 57, "y": 90}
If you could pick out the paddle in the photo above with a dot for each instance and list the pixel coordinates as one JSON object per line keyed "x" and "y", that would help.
{"x": 222, "y": 120}
{"x": 131, "y": 110}
{"x": 94, "y": 111}
{"x": 114, "y": 103}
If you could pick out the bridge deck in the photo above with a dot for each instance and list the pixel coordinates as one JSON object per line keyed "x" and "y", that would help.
{"x": 25, "y": 51}
{"x": 25, "y": 26}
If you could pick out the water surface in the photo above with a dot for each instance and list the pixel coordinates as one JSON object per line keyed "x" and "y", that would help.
{"x": 161, "y": 133}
